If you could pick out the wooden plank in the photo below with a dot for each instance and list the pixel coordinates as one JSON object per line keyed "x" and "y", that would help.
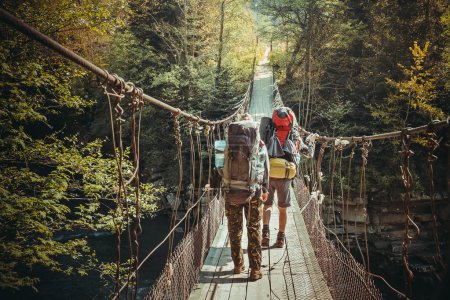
{"x": 278, "y": 257}
{"x": 243, "y": 288}
{"x": 223, "y": 277}
{"x": 239, "y": 284}
{"x": 208, "y": 270}
{"x": 317, "y": 285}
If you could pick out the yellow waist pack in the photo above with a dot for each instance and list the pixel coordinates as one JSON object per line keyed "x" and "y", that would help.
{"x": 281, "y": 168}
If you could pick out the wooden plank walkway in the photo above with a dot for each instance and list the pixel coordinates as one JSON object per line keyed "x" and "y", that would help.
{"x": 289, "y": 273}
{"x": 261, "y": 104}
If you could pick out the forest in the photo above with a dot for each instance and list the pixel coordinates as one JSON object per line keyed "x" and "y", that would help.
{"x": 346, "y": 67}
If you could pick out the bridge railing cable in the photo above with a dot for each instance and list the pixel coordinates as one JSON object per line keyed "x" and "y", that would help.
{"x": 38, "y": 36}
{"x": 336, "y": 261}
{"x": 382, "y": 136}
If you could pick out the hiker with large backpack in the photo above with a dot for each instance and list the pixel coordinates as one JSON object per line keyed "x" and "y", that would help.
{"x": 284, "y": 147}
{"x": 245, "y": 185}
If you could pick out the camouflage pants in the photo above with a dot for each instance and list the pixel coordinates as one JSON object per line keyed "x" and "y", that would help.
{"x": 253, "y": 214}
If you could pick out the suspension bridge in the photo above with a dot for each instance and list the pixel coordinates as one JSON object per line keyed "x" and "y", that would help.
{"x": 316, "y": 262}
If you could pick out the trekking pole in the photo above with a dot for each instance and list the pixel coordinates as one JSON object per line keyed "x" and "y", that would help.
{"x": 270, "y": 279}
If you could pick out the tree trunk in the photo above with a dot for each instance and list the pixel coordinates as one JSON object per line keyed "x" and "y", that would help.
{"x": 290, "y": 67}
{"x": 219, "y": 55}
{"x": 308, "y": 62}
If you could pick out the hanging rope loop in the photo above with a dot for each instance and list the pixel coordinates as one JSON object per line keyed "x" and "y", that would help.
{"x": 354, "y": 144}
{"x": 432, "y": 144}
{"x": 197, "y": 128}
{"x": 177, "y": 130}
{"x": 405, "y": 154}
{"x": 206, "y": 131}
{"x": 366, "y": 147}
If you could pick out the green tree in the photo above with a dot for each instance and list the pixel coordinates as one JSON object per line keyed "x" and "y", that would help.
{"x": 51, "y": 181}
{"x": 413, "y": 97}
{"x": 311, "y": 40}
{"x": 171, "y": 49}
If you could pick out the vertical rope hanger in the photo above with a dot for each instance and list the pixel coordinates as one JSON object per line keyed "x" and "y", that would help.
{"x": 352, "y": 153}
{"x": 116, "y": 118}
{"x": 118, "y": 210}
{"x": 366, "y": 147}
{"x": 364, "y": 155}
{"x": 192, "y": 175}
{"x": 200, "y": 171}
{"x": 313, "y": 175}
{"x": 209, "y": 136}
{"x": 405, "y": 154}
{"x": 136, "y": 105}
{"x": 122, "y": 186}
{"x": 340, "y": 150}
{"x": 118, "y": 93}
{"x": 177, "y": 135}
{"x": 432, "y": 144}
{"x": 318, "y": 168}
{"x": 178, "y": 141}
{"x": 332, "y": 168}
{"x": 219, "y": 136}
{"x": 319, "y": 164}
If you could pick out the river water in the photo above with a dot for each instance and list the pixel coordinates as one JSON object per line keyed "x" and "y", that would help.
{"x": 54, "y": 286}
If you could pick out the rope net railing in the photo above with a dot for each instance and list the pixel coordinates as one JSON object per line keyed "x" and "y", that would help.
{"x": 342, "y": 246}
{"x": 346, "y": 278}
{"x": 183, "y": 265}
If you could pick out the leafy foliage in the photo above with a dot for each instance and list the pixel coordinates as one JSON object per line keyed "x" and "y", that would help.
{"x": 415, "y": 94}
{"x": 332, "y": 59}
{"x": 51, "y": 182}
{"x": 170, "y": 48}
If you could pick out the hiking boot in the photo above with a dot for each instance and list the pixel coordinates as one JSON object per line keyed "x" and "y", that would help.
{"x": 265, "y": 238}
{"x": 255, "y": 275}
{"x": 280, "y": 240}
{"x": 239, "y": 269}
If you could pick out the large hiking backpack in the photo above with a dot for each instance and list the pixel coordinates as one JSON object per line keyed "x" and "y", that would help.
{"x": 283, "y": 121}
{"x": 243, "y": 169}
{"x": 282, "y": 132}
{"x": 284, "y": 157}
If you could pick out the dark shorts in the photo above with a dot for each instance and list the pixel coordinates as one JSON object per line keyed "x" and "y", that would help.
{"x": 283, "y": 189}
